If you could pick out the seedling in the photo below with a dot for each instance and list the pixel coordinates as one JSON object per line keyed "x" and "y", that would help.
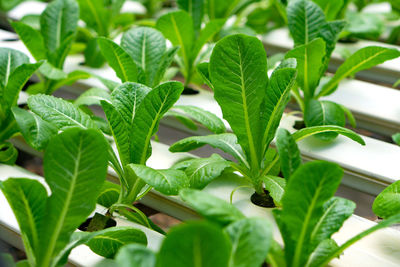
{"x": 58, "y": 25}
{"x": 253, "y": 105}
{"x": 315, "y": 39}
{"x": 75, "y": 166}
{"x": 14, "y": 73}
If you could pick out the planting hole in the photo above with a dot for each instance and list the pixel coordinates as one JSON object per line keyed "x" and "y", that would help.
{"x": 97, "y": 222}
{"x": 265, "y": 201}
{"x": 190, "y": 91}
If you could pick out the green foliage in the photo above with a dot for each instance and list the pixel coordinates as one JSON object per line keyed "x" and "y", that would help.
{"x": 210, "y": 207}
{"x": 74, "y": 178}
{"x": 387, "y": 203}
{"x": 52, "y": 42}
{"x": 253, "y": 105}
{"x": 102, "y": 18}
{"x": 107, "y": 243}
{"x": 15, "y": 71}
{"x": 315, "y": 38}
{"x": 184, "y": 31}
{"x": 142, "y": 56}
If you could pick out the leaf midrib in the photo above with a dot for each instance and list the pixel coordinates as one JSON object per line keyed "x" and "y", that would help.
{"x": 64, "y": 211}
{"x": 253, "y": 153}
{"x": 272, "y": 116}
{"x": 335, "y": 80}
{"x": 321, "y": 220}
{"x": 67, "y": 117}
{"x": 178, "y": 35}
{"x": 149, "y": 133}
{"x": 299, "y": 243}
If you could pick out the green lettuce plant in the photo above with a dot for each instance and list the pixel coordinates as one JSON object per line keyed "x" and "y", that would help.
{"x": 15, "y": 71}
{"x": 183, "y": 29}
{"x": 133, "y": 113}
{"x": 58, "y": 26}
{"x": 315, "y": 39}
{"x": 142, "y": 57}
{"x": 252, "y": 103}
{"x": 75, "y": 166}
{"x": 307, "y": 220}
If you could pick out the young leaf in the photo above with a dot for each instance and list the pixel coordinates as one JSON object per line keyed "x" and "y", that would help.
{"x": 119, "y": 130}
{"x": 203, "y": 70}
{"x": 206, "y": 118}
{"x": 58, "y": 24}
{"x": 51, "y": 72}
{"x": 336, "y": 211}
{"x": 238, "y": 71}
{"x": 31, "y": 38}
{"x": 275, "y": 186}
{"x": 330, "y": 8}
{"x": 27, "y": 199}
{"x": 309, "y": 59}
{"x": 278, "y": 95}
{"x": 95, "y": 15}
{"x": 127, "y": 98}
{"x": 165, "y": 62}
{"x": 211, "y": 28}
{"x": 303, "y": 133}
{"x": 202, "y": 171}
{"x": 146, "y": 46}
{"x": 8, "y": 153}
{"x": 71, "y": 78}
{"x": 17, "y": 80}
{"x": 147, "y": 118}
{"x": 168, "y": 182}
{"x": 323, "y": 250}
{"x": 36, "y": 131}
{"x": 10, "y": 60}
{"x": 303, "y": 209}
{"x": 135, "y": 255}
{"x": 109, "y": 194}
{"x": 330, "y": 32}
{"x": 251, "y": 239}
{"x": 59, "y": 112}
{"x": 93, "y": 96}
{"x": 210, "y": 207}
{"x": 385, "y": 223}
{"x": 289, "y": 153}
{"x": 109, "y": 241}
{"x": 120, "y": 61}
{"x": 304, "y": 21}
{"x": 75, "y": 178}
{"x": 387, "y": 203}
{"x": 319, "y": 113}
{"x": 177, "y": 26}
{"x": 193, "y": 244}
{"x": 364, "y": 58}
{"x": 226, "y": 142}
{"x": 195, "y": 10}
